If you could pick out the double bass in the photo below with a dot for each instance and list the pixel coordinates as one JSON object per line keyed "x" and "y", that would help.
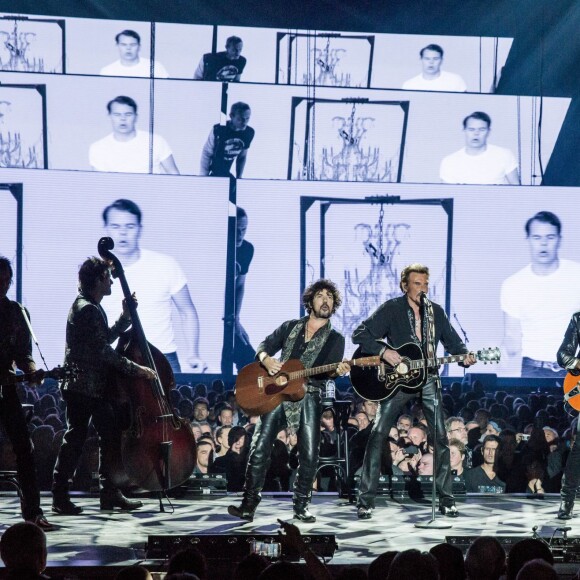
{"x": 157, "y": 448}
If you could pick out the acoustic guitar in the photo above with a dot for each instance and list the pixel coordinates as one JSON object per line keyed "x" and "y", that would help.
{"x": 410, "y": 374}
{"x": 571, "y": 388}
{"x": 257, "y": 392}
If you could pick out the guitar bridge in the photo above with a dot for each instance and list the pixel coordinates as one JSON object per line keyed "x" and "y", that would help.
{"x": 261, "y": 384}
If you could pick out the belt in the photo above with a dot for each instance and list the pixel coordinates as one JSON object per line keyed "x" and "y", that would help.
{"x": 542, "y": 364}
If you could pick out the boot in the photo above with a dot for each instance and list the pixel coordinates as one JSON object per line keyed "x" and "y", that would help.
{"x": 565, "y": 511}
{"x": 244, "y": 512}
{"x": 112, "y": 498}
{"x": 61, "y": 504}
{"x": 302, "y": 514}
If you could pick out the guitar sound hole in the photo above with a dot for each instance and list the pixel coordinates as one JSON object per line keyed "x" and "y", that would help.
{"x": 402, "y": 368}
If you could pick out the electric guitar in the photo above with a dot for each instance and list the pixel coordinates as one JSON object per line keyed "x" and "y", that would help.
{"x": 257, "y": 392}
{"x": 410, "y": 374}
{"x": 58, "y": 373}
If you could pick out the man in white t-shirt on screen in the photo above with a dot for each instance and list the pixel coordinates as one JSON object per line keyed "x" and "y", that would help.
{"x": 159, "y": 283}
{"x": 432, "y": 78}
{"x": 539, "y": 300}
{"x": 479, "y": 162}
{"x": 130, "y": 63}
{"x": 126, "y": 149}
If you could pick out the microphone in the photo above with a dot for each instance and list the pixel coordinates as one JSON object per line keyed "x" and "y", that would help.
{"x": 422, "y": 297}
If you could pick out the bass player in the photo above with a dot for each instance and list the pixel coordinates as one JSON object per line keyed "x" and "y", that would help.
{"x": 314, "y": 342}
{"x": 400, "y": 321}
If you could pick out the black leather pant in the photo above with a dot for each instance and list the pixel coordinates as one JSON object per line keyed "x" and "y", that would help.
{"x": 388, "y": 412}
{"x": 80, "y": 411}
{"x": 14, "y": 422}
{"x": 571, "y": 479}
{"x": 265, "y": 434}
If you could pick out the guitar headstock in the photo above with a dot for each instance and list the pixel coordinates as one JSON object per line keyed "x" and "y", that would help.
{"x": 489, "y": 355}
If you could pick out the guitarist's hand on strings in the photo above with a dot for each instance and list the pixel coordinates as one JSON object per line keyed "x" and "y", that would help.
{"x": 271, "y": 364}
{"x": 342, "y": 369}
{"x": 469, "y": 360}
{"x": 392, "y": 357}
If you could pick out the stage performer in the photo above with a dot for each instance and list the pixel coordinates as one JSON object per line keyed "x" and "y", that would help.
{"x": 312, "y": 340}
{"x": 88, "y": 340}
{"x": 568, "y": 359}
{"x": 16, "y": 352}
{"x": 401, "y": 321}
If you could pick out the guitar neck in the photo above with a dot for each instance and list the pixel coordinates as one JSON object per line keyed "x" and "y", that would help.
{"x": 435, "y": 362}
{"x": 359, "y": 362}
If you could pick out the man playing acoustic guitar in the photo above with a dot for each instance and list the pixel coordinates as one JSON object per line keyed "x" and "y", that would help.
{"x": 401, "y": 321}
{"x": 314, "y": 342}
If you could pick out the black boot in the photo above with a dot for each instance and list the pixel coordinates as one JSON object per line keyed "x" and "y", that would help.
{"x": 61, "y": 504}
{"x": 244, "y": 512}
{"x": 565, "y": 511}
{"x": 113, "y": 498}
{"x": 302, "y": 514}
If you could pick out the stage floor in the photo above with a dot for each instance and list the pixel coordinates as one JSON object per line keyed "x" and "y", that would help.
{"x": 102, "y": 539}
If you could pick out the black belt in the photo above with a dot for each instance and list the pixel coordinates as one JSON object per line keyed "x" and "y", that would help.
{"x": 542, "y": 364}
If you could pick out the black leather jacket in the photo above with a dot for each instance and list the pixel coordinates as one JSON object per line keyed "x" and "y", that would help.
{"x": 567, "y": 352}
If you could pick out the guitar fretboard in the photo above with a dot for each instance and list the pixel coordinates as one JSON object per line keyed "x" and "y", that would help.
{"x": 433, "y": 362}
{"x": 370, "y": 361}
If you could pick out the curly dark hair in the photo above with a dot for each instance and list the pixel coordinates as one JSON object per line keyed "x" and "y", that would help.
{"x": 90, "y": 271}
{"x": 322, "y": 284}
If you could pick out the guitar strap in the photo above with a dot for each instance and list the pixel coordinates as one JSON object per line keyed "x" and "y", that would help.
{"x": 292, "y": 409}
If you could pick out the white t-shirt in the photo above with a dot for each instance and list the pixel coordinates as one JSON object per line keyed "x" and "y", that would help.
{"x": 155, "y": 278}
{"x": 446, "y": 81}
{"x": 543, "y": 305}
{"x": 131, "y": 156}
{"x": 490, "y": 167}
{"x": 141, "y": 69}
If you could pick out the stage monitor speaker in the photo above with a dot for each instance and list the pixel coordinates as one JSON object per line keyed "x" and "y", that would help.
{"x": 233, "y": 547}
{"x": 563, "y": 549}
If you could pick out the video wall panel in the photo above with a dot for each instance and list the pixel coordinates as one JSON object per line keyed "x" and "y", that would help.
{"x": 489, "y": 245}
{"x": 177, "y": 257}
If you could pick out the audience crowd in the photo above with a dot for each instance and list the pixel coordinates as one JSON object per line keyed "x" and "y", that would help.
{"x": 499, "y": 442}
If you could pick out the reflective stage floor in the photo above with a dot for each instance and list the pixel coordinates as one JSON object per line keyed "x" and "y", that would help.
{"x": 93, "y": 539}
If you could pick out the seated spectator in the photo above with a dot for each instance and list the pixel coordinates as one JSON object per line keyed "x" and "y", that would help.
{"x": 221, "y": 438}
{"x": 450, "y": 560}
{"x": 525, "y": 551}
{"x": 189, "y": 560}
{"x": 485, "y": 559}
{"x": 250, "y": 567}
{"x": 204, "y": 456}
{"x": 233, "y": 463}
{"x": 425, "y": 465}
{"x": 134, "y": 573}
{"x": 380, "y": 566}
{"x": 537, "y": 570}
{"x": 404, "y": 423}
{"x": 200, "y": 409}
{"x": 23, "y": 551}
{"x": 483, "y": 479}
{"x": 414, "y": 564}
{"x": 457, "y": 455}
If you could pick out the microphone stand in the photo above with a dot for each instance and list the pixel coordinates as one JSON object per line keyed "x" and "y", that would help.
{"x": 433, "y": 523}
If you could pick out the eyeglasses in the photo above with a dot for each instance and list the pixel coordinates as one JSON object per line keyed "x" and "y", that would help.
{"x": 463, "y": 428}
